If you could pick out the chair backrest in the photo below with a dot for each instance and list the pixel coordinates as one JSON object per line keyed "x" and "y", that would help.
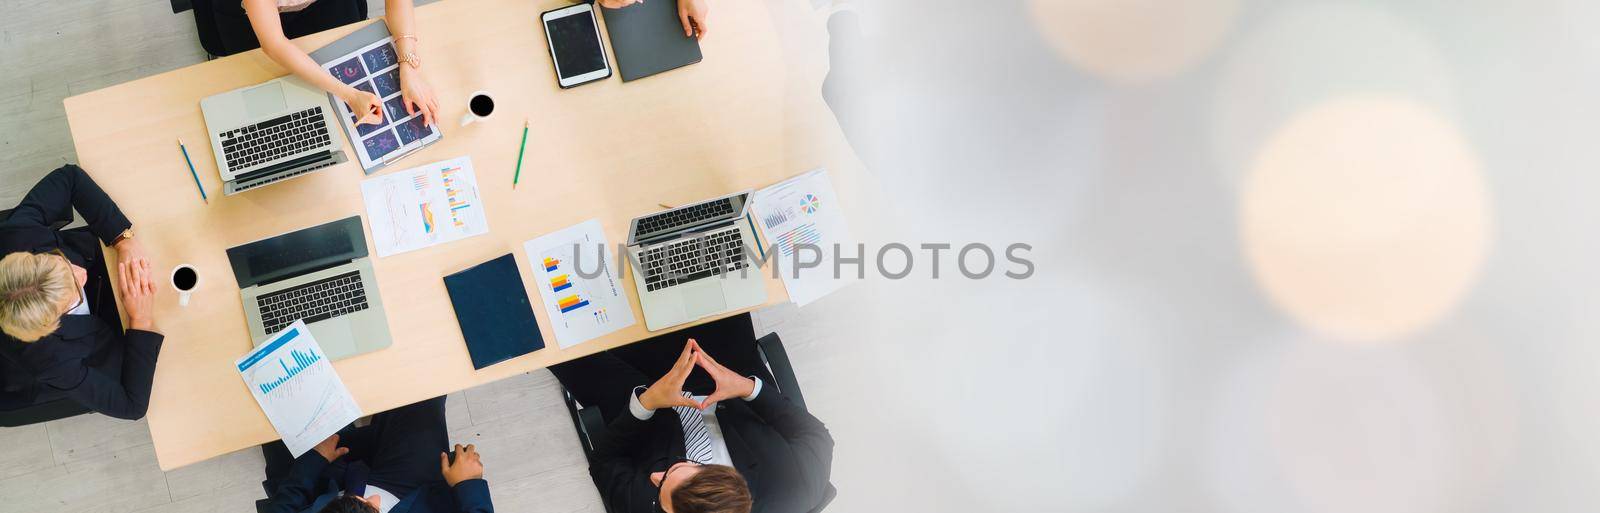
{"x": 776, "y": 358}
{"x": 590, "y": 424}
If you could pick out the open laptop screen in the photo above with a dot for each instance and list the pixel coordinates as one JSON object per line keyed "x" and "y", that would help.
{"x": 702, "y": 216}
{"x": 298, "y": 252}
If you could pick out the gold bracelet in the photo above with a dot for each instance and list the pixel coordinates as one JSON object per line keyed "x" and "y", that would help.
{"x": 409, "y": 57}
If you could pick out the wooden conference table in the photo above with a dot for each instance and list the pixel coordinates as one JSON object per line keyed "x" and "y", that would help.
{"x": 750, "y": 115}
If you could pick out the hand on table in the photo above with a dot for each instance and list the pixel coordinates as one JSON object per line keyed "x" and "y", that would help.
{"x": 467, "y": 465}
{"x": 130, "y": 250}
{"x": 418, "y": 95}
{"x": 138, "y": 293}
{"x": 364, "y": 104}
{"x": 729, "y": 383}
{"x": 693, "y": 14}
{"x": 329, "y": 449}
{"x": 668, "y": 391}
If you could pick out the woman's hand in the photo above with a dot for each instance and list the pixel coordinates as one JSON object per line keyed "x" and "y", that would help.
{"x": 417, "y": 93}
{"x": 616, "y": 4}
{"x": 693, "y": 14}
{"x": 138, "y": 294}
{"x": 130, "y": 250}
{"x": 364, "y": 104}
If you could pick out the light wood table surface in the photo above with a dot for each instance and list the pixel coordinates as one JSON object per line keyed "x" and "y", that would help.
{"x": 747, "y": 116}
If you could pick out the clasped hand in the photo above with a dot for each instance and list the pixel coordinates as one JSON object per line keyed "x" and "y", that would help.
{"x": 137, "y": 284}
{"x": 668, "y": 391}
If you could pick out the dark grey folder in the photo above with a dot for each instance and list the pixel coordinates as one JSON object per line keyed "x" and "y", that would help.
{"x": 494, "y": 312}
{"x": 648, "y": 39}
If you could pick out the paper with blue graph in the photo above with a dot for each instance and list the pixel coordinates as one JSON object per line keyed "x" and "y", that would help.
{"x": 423, "y": 206}
{"x": 583, "y": 298}
{"x": 802, "y": 221}
{"x": 297, "y": 388}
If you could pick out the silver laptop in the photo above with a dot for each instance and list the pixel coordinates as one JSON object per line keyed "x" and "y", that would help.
{"x": 320, "y": 274}
{"x": 270, "y": 132}
{"x": 694, "y": 261}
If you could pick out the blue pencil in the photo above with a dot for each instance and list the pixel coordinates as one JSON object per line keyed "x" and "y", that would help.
{"x": 192, "y": 173}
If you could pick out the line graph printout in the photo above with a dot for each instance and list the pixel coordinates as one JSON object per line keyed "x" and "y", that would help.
{"x": 800, "y": 212}
{"x": 579, "y": 308}
{"x": 423, "y": 206}
{"x": 296, "y": 386}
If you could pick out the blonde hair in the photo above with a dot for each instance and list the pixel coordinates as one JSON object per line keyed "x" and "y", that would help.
{"x": 32, "y": 290}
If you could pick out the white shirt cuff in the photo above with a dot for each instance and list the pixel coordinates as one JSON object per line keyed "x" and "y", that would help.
{"x": 755, "y": 391}
{"x": 638, "y": 410}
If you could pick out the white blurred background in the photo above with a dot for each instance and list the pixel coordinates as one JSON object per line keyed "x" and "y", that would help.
{"x": 1310, "y": 256}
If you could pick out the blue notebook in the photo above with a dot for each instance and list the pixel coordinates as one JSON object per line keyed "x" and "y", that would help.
{"x": 493, "y": 309}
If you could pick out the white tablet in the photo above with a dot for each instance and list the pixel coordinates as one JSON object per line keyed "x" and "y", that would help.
{"x": 575, "y": 45}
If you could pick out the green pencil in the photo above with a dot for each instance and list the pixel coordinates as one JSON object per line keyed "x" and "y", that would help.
{"x": 520, "y": 151}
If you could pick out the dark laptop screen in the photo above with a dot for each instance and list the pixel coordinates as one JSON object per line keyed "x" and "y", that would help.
{"x": 298, "y": 252}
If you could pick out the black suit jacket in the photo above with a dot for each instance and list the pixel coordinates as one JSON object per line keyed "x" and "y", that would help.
{"x": 783, "y": 452}
{"x": 307, "y": 490}
{"x": 89, "y": 358}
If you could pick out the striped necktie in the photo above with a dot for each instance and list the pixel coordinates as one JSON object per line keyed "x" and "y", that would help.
{"x": 696, "y": 439}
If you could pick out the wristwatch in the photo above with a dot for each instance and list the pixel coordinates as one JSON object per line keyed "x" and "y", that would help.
{"x": 125, "y": 235}
{"x": 409, "y": 56}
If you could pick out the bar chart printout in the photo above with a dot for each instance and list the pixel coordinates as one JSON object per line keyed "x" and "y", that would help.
{"x": 297, "y": 388}
{"x": 581, "y": 296}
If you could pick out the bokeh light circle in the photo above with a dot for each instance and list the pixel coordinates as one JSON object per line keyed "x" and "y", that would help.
{"x": 1365, "y": 218}
{"x": 1133, "y": 41}
{"x": 1299, "y": 55}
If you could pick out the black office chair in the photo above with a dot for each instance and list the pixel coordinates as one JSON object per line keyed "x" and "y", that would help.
{"x": 206, "y": 24}
{"x": 590, "y": 424}
{"x": 20, "y": 403}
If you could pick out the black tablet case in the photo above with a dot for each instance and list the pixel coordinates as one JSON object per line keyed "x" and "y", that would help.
{"x": 648, "y": 39}
{"x": 494, "y": 312}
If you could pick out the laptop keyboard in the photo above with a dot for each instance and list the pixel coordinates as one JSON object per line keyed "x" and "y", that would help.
{"x": 315, "y": 301}
{"x": 686, "y": 217}
{"x": 275, "y": 138}
{"x": 692, "y": 258}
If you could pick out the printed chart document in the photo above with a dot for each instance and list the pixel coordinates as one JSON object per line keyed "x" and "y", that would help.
{"x": 423, "y": 206}
{"x": 579, "y": 308}
{"x": 297, "y": 388}
{"x": 804, "y": 211}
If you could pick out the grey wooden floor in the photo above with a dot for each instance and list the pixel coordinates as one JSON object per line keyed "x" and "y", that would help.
{"x": 51, "y": 49}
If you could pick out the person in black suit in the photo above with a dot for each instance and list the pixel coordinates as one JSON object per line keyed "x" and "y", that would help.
{"x": 393, "y": 464}
{"x": 62, "y": 334}
{"x": 731, "y": 445}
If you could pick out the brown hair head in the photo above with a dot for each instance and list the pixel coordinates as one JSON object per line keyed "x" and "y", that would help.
{"x": 713, "y": 489}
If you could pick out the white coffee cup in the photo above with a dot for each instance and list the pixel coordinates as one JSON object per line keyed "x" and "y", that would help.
{"x": 479, "y": 107}
{"x": 190, "y": 277}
